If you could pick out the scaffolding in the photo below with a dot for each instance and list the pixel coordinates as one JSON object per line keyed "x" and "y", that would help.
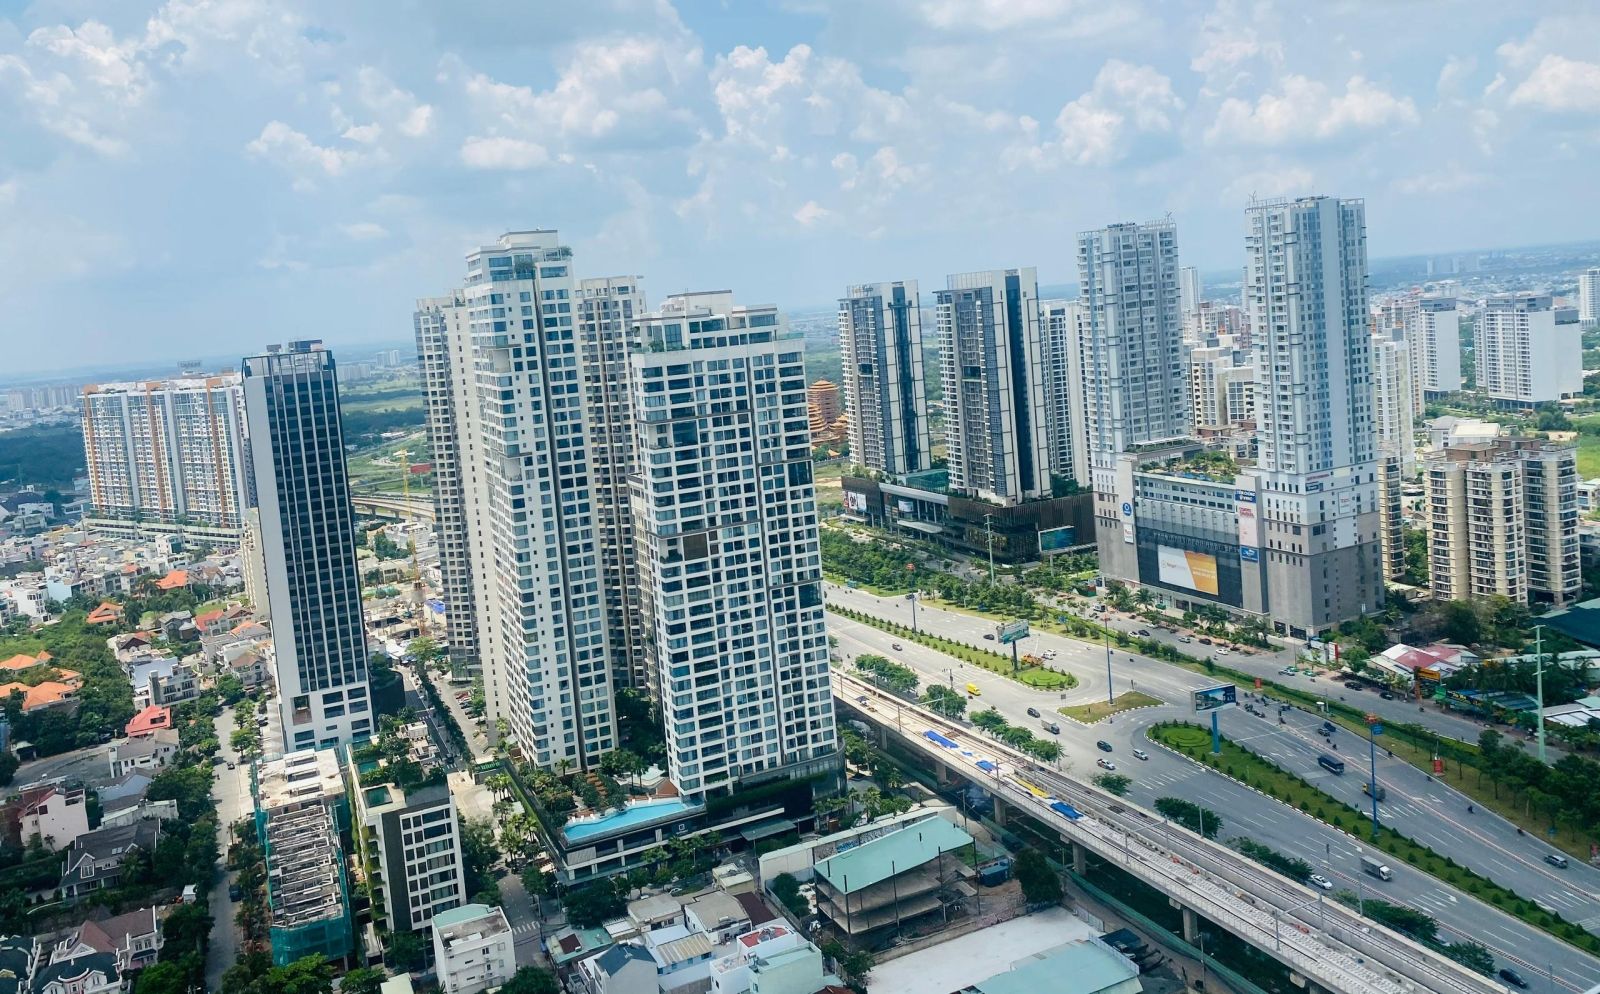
{"x": 308, "y": 903}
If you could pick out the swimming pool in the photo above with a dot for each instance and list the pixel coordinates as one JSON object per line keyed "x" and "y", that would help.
{"x": 633, "y": 816}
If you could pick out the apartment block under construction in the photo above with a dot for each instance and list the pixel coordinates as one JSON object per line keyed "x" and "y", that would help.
{"x": 300, "y": 810}
{"x": 1502, "y": 519}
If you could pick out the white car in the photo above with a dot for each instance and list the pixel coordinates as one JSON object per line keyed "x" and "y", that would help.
{"x": 1105, "y": 764}
{"x": 1186, "y": 639}
{"x": 1222, "y": 650}
{"x": 1321, "y": 882}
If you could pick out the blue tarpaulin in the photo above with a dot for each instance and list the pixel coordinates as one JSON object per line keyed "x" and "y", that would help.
{"x": 936, "y": 737}
{"x": 986, "y": 766}
{"x": 1066, "y": 810}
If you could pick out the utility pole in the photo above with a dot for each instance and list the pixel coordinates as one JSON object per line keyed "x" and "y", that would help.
{"x": 1111, "y": 697}
{"x": 1373, "y": 728}
{"x": 988, "y": 526}
{"x": 912, "y": 597}
{"x": 1538, "y": 678}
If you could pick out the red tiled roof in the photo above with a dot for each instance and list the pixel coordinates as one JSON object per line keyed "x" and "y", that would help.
{"x": 209, "y": 617}
{"x": 148, "y": 720}
{"x": 22, "y": 661}
{"x": 172, "y": 581}
{"x": 106, "y": 613}
{"x": 43, "y": 695}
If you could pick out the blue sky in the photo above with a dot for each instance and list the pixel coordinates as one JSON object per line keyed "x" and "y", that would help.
{"x": 205, "y": 176}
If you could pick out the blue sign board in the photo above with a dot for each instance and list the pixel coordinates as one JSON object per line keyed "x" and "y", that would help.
{"x": 1249, "y": 554}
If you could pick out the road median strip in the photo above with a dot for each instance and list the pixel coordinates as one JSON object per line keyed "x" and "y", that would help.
{"x": 1266, "y": 777}
{"x": 1037, "y": 677}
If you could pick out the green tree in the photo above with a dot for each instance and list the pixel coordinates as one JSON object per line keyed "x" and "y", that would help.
{"x": 186, "y": 931}
{"x": 1192, "y": 816}
{"x": 787, "y": 889}
{"x": 406, "y": 952}
{"x": 362, "y": 980}
{"x": 943, "y": 700}
{"x": 531, "y": 980}
{"x": 1114, "y": 783}
{"x": 592, "y": 904}
{"x": 990, "y": 720}
{"x": 1039, "y": 882}
{"x": 424, "y": 650}
{"x": 1471, "y": 955}
{"x": 478, "y": 856}
{"x": 167, "y": 977}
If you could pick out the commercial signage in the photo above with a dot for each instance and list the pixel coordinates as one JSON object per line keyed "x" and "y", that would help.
{"x": 1053, "y": 540}
{"x": 1216, "y": 698}
{"x": 1190, "y": 570}
{"x": 1249, "y": 524}
{"x": 906, "y": 506}
{"x": 1013, "y": 631}
{"x": 1249, "y": 555}
{"x": 855, "y": 503}
{"x": 1244, "y": 496}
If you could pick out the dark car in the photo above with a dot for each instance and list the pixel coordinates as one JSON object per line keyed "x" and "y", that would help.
{"x": 1512, "y": 977}
{"x": 234, "y": 893}
{"x": 1033, "y": 712}
{"x": 988, "y": 636}
{"x": 1144, "y": 633}
{"x": 1204, "y": 640}
{"x": 1103, "y": 745}
{"x": 1386, "y": 696}
{"x": 1352, "y": 685}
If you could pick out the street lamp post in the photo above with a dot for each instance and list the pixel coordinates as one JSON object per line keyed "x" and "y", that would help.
{"x": 1373, "y": 730}
{"x": 912, "y": 597}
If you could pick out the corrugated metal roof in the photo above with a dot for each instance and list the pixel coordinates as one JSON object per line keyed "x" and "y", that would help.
{"x": 873, "y": 862}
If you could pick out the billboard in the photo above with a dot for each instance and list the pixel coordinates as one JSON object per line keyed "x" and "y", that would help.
{"x": 1216, "y": 698}
{"x": 1013, "y": 631}
{"x": 1190, "y": 570}
{"x": 1249, "y": 524}
{"x": 855, "y": 503}
{"x": 1057, "y": 539}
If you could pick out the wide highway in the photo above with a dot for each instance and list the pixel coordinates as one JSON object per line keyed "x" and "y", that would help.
{"x": 1431, "y": 812}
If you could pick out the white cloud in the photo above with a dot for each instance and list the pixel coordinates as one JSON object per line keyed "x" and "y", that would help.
{"x": 1304, "y": 110}
{"x": 502, "y": 153}
{"x": 1560, "y": 84}
{"x": 364, "y": 231}
{"x": 1097, "y": 128}
{"x": 363, "y": 134}
{"x": 1074, "y": 18}
{"x": 391, "y": 104}
{"x": 295, "y": 151}
{"x": 417, "y": 123}
{"x": 1451, "y": 179}
{"x": 1454, "y": 73}
{"x": 112, "y": 66}
{"x": 810, "y": 213}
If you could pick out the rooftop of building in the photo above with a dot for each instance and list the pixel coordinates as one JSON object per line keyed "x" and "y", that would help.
{"x": 890, "y": 854}
{"x": 470, "y": 922}
{"x": 401, "y": 762}
{"x": 1092, "y": 965}
{"x": 305, "y": 878}
{"x": 1212, "y": 467}
{"x": 297, "y": 778}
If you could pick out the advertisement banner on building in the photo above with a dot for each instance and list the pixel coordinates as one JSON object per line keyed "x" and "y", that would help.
{"x": 1127, "y": 522}
{"x": 1192, "y": 570}
{"x": 1249, "y": 527}
{"x": 855, "y": 503}
{"x": 1249, "y": 555}
{"x": 1054, "y": 540}
{"x": 906, "y": 507}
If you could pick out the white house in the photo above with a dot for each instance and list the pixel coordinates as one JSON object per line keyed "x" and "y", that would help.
{"x": 57, "y": 814}
{"x": 473, "y": 949}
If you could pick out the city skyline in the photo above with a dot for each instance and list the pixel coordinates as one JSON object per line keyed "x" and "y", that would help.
{"x": 333, "y": 152}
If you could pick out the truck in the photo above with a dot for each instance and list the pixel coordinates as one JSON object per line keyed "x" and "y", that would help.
{"x": 1374, "y": 868}
{"x": 1383, "y": 794}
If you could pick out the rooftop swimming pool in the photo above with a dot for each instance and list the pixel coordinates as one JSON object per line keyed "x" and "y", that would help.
{"x": 634, "y": 815}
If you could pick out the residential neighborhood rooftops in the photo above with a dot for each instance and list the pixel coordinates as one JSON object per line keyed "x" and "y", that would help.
{"x": 151, "y": 719}
{"x": 174, "y": 580}
{"x": 107, "y": 613}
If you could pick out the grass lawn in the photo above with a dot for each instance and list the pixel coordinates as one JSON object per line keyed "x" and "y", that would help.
{"x": 1126, "y": 701}
{"x": 1588, "y": 457}
{"x": 1039, "y": 678}
{"x": 1254, "y": 771}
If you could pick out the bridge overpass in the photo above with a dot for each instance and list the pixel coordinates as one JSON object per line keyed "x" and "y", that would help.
{"x": 381, "y": 505}
{"x": 1326, "y": 946}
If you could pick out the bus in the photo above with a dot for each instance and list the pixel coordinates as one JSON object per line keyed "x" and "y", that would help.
{"x": 973, "y": 691}
{"x": 1331, "y": 764}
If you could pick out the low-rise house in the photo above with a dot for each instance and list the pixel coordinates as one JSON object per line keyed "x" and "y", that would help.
{"x": 181, "y": 683}
{"x": 17, "y": 955}
{"x": 178, "y": 626}
{"x": 213, "y": 622}
{"x": 682, "y": 957}
{"x": 131, "y": 646}
{"x": 251, "y": 668}
{"x": 174, "y": 580}
{"x": 127, "y": 810}
{"x": 41, "y": 683}
{"x": 133, "y": 939}
{"x": 57, "y": 814}
{"x": 133, "y": 783}
{"x": 624, "y": 969}
{"x": 95, "y": 861}
{"x": 719, "y": 915}
{"x": 91, "y": 973}
{"x": 106, "y": 614}
{"x": 151, "y": 752}
{"x": 472, "y": 949}
{"x": 149, "y": 721}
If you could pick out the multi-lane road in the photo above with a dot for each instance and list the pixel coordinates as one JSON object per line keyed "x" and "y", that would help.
{"x": 1429, "y": 811}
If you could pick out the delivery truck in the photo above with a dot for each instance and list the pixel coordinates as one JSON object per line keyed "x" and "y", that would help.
{"x": 1375, "y": 868}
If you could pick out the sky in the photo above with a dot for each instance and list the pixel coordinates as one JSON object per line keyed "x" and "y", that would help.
{"x": 199, "y": 176}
